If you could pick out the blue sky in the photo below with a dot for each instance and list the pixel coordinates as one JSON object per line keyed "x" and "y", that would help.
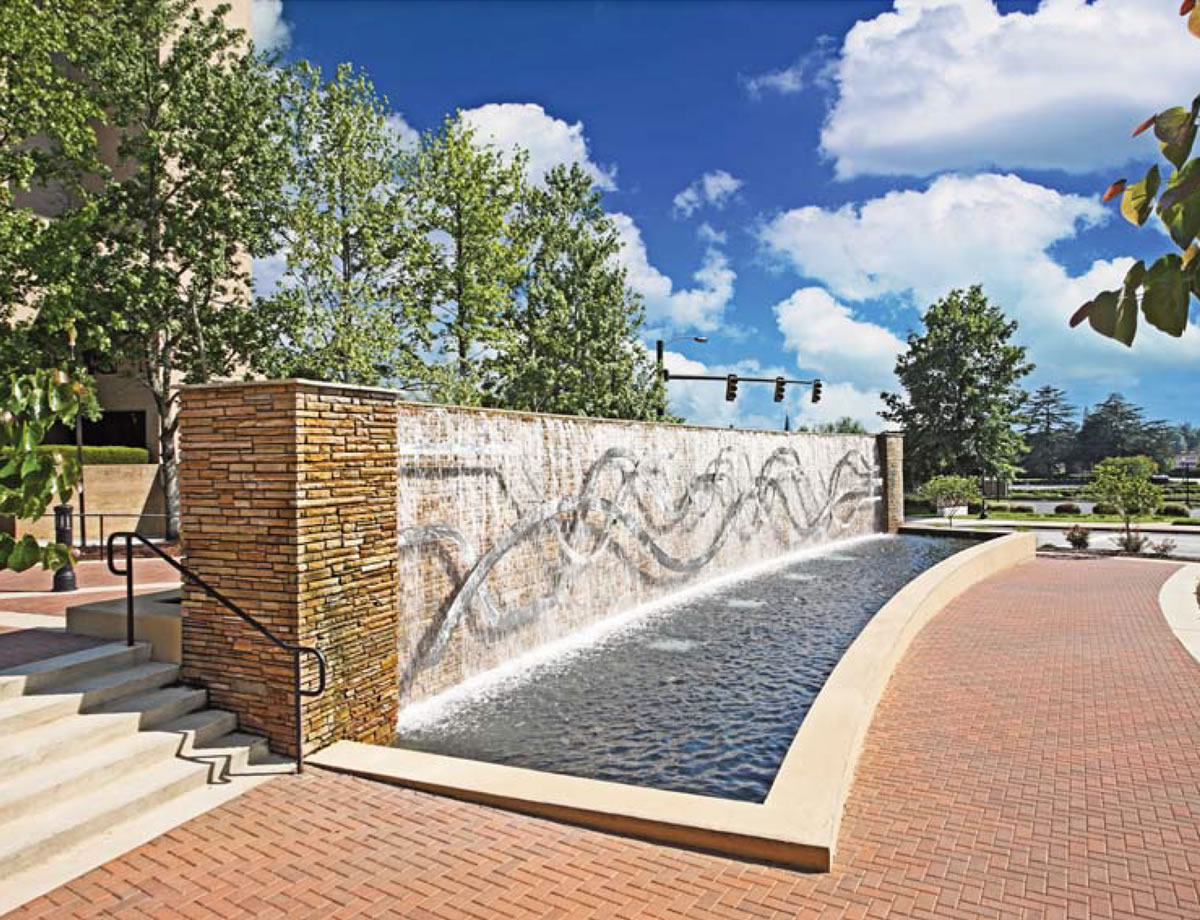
{"x": 797, "y": 181}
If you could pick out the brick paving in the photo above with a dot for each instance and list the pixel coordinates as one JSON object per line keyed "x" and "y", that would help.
{"x": 30, "y": 591}
{"x": 1037, "y": 754}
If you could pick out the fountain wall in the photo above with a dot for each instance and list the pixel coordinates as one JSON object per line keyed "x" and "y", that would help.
{"x": 419, "y": 545}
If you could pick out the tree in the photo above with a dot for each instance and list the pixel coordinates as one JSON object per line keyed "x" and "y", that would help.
{"x": 31, "y": 478}
{"x": 196, "y": 117}
{"x": 1048, "y": 424}
{"x": 343, "y": 309}
{"x": 948, "y": 494}
{"x": 1124, "y": 482}
{"x": 47, "y": 146}
{"x": 575, "y": 343}
{"x": 1118, "y": 428}
{"x": 962, "y": 395}
{"x": 466, "y": 199}
{"x": 1164, "y": 290}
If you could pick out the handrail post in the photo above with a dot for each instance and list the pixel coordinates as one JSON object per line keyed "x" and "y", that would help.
{"x": 129, "y": 589}
{"x": 296, "y": 655}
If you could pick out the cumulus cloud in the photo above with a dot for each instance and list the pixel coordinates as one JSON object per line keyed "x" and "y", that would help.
{"x": 839, "y": 400}
{"x": 827, "y": 337}
{"x": 714, "y": 188}
{"x": 408, "y": 136}
{"x": 268, "y": 28}
{"x": 785, "y": 81}
{"x": 548, "y": 140}
{"x": 995, "y": 230}
{"x": 955, "y": 84}
{"x": 700, "y": 307}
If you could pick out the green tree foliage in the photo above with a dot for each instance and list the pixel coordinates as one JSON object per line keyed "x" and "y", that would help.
{"x": 1164, "y": 289}
{"x": 181, "y": 215}
{"x": 1118, "y": 428}
{"x": 575, "y": 324}
{"x": 950, "y": 493}
{"x": 1124, "y": 483}
{"x": 344, "y": 308}
{"x": 843, "y": 425}
{"x": 31, "y": 477}
{"x": 47, "y": 145}
{"x": 962, "y": 390}
{"x": 465, "y": 200}
{"x": 1048, "y": 424}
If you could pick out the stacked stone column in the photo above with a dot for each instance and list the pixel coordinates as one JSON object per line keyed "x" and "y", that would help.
{"x": 288, "y": 496}
{"x": 891, "y": 464}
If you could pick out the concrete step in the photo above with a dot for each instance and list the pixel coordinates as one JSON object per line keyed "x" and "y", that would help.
{"x": 157, "y": 706}
{"x": 78, "y": 666}
{"x": 89, "y": 768}
{"x": 103, "y": 688}
{"x": 203, "y": 727}
{"x": 61, "y": 738}
{"x": 34, "y": 838}
{"x": 231, "y": 754}
{"x": 21, "y": 713}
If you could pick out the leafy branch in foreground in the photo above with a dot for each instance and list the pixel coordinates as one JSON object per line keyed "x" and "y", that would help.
{"x": 30, "y": 478}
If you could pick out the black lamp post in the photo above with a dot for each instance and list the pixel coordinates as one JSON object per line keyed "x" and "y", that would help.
{"x": 64, "y": 578}
{"x": 658, "y": 355}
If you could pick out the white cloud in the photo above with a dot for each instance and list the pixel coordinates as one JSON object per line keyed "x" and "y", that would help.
{"x": 954, "y": 84}
{"x": 826, "y": 337}
{"x": 785, "y": 81}
{"x": 409, "y": 136}
{"x": 700, "y": 307}
{"x": 842, "y": 399}
{"x": 989, "y": 229}
{"x": 714, "y": 188}
{"x": 711, "y": 234}
{"x": 548, "y": 140}
{"x": 268, "y": 29}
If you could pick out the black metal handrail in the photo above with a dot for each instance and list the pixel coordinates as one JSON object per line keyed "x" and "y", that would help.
{"x": 296, "y": 651}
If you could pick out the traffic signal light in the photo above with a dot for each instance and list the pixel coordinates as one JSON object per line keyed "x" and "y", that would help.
{"x": 731, "y": 382}
{"x": 816, "y": 391}
{"x": 780, "y": 385}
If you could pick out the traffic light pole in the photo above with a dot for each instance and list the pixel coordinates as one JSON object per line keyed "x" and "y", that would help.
{"x": 732, "y": 380}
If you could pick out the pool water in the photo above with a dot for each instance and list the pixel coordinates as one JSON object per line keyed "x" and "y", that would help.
{"x": 703, "y": 696}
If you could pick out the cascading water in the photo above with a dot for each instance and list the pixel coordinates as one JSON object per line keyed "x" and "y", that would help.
{"x": 517, "y": 529}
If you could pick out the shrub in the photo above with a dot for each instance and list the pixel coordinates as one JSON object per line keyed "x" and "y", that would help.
{"x": 1000, "y": 506}
{"x": 1104, "y": 508}
{"x": 100, "y": 456}
{"x": 1131, "y": 542}
{"x": 1163, "y": 547}
{"x": 1172, "y": 511}
{"x": 1067, "y": 508}
{"x": 948, "y": 492}
{"x": 1022, "y": 509}
{"x": 1186, "y": 522}
{"x": 1078, "y": 537}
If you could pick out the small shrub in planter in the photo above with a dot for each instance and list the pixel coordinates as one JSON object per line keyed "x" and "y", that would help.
{"x": 1067, "y": 508}
{"x": 1163, "y": 547}
{"x": 1172, "y": 511}
{"x": 1021, "y": 509}
{"x": 1132, "y": 542}
{"x": 1078, "y": 537}
{"x": 1104, "y": 508}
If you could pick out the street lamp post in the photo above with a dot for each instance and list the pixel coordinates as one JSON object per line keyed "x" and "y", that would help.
{"x": 658, "y": 358}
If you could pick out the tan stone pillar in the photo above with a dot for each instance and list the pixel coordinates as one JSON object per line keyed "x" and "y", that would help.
{"x": 891, "y": 462}
{"x": 288, "y": 495}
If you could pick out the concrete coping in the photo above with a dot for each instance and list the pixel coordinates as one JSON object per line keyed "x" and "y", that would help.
{"x": 1181, "y": 608}
{"x": 797, "y": 825}
{"x": 403, "y": 399}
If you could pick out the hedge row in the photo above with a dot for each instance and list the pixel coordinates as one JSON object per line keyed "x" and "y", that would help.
{"x": 101, "y": 456}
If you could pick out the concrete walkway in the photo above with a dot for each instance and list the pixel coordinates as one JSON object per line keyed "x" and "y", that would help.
{"x": 1037, "y": 754}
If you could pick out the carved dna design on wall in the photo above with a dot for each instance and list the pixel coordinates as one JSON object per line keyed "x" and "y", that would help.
{"x": 625, "y": 510}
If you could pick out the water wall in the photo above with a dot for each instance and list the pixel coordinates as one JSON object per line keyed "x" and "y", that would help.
{"x": 515, "y": 529}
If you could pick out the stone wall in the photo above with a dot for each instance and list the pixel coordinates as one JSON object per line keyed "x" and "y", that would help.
{"x": 288, "y": 496}
{"x": 418, "y": 545}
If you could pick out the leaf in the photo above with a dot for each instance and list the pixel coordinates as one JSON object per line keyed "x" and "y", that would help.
{"x": 1186, "y": 7}
{"x": 1176, "y": 130}
{"x": 1144, "y": 125}
{"x": 1182, "y": 219}
{"x": 1138, "y": 200}
{"x": 1165, "y": 297}
{"x": 26, "y": 553}
{"x": 1194, "y": 22}
{"x": 1114, "y": 190}
{"x": 1101, "y": 312}
{"x": 55, "y": 556}
{"x": 1125, "y": 327}
{"x": 1189, "y": 254}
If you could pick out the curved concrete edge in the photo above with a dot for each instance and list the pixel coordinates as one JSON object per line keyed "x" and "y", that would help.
{"x": 797, "y": 825}
{"x": 1181, "y": 609}
{"x": 810, "y": 790}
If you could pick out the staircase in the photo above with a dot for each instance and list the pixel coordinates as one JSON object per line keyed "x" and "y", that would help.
{"x": 93, "y": 742}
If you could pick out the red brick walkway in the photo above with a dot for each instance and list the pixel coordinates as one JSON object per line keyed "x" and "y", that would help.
{"x": 29, "y": 591}
{"x": 1037, "y": 754}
